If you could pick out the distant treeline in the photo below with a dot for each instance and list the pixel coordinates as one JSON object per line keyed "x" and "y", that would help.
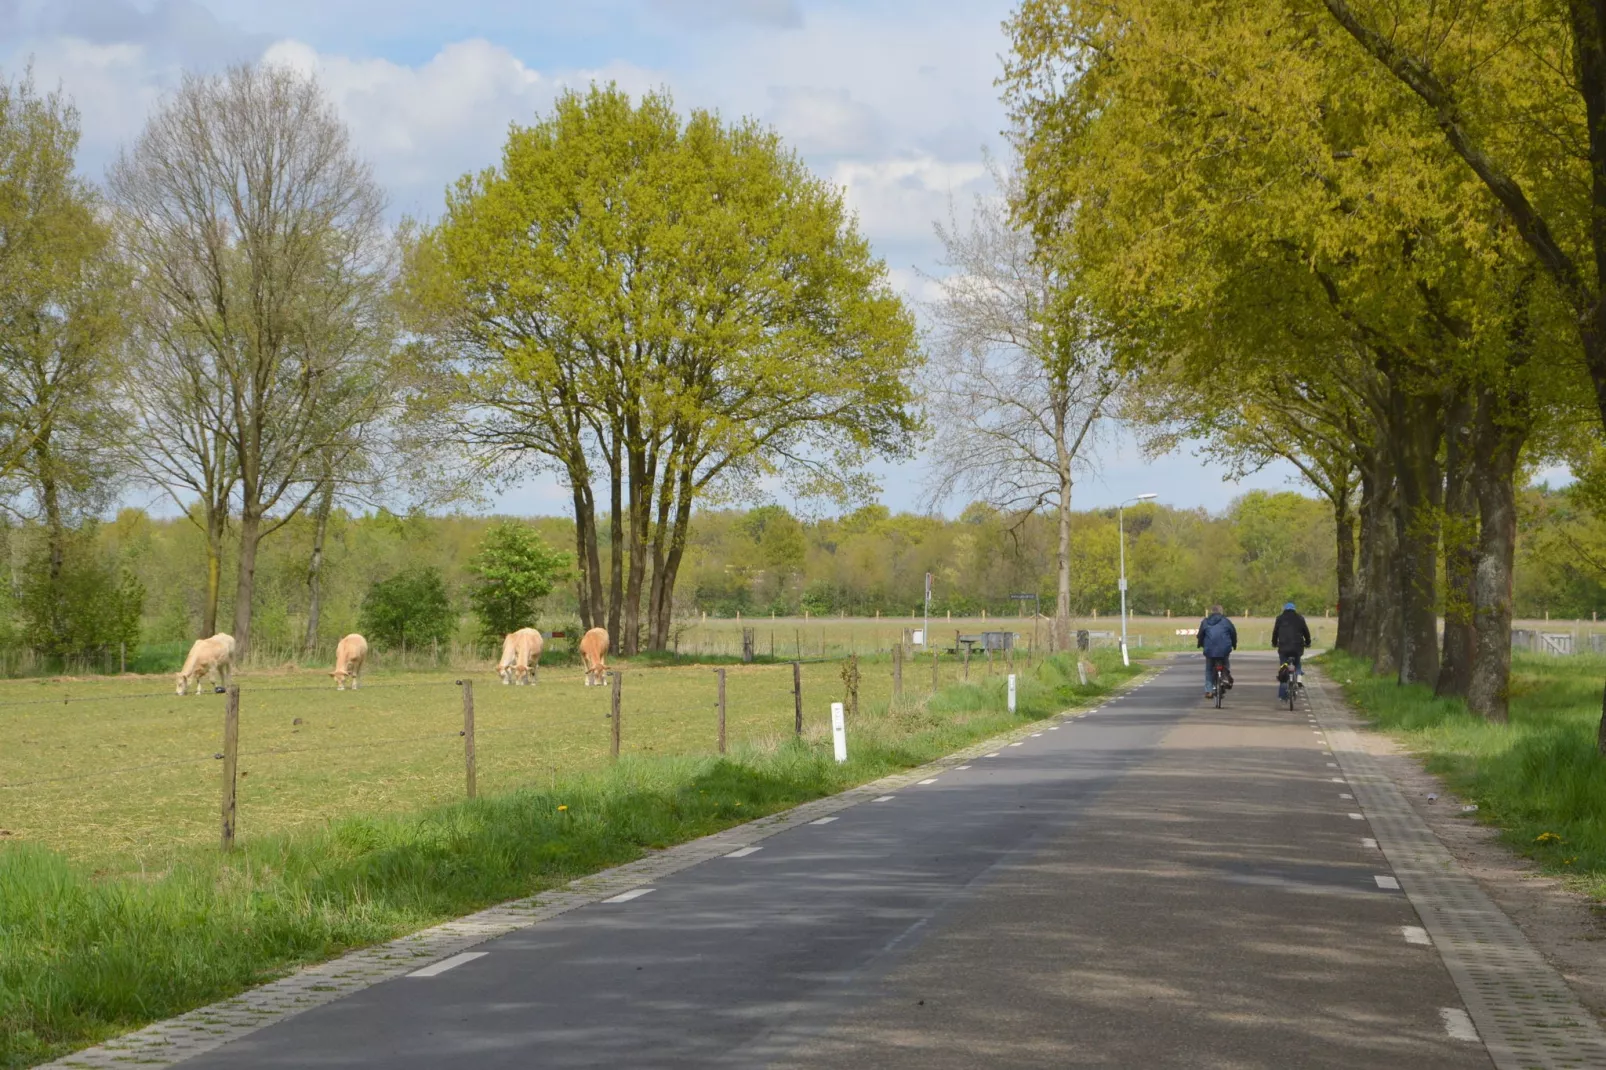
{"x": 1263, "y": 550}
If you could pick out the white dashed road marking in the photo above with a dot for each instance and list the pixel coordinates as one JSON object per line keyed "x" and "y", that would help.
{"x": 1017, "y": 744}
{"x": 929, "y": 780}
{"x": 1345, "y": 795}
{"x": 960, "y": 768}
{"x": 1367, "y": 841}
{"x": 1357, "y": 817}
{"x": 1458, "y": 1024}
{"x": 1415, "y": 934}
{"x": 446, "y": 964}
{"x": 1338, "y": 780}
{"x": 1387, "y": 882}
{"x": 625, "y": 897}
{"x": 994, "y": 754}
{"x": 821, "y": 821}
{"x": 884, "y": 798}
{"x": 744, "y": 852}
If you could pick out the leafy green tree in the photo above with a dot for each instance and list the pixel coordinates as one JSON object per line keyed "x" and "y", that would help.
{"x": 84, "y": 608}
{"x": 513, "y": 571}
{"x": 60, "y": 288}
{"x": 674, "y": 303}
{"x": 410, "y": 607}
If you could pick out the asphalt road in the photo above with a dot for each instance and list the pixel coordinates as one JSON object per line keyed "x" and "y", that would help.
{"x": 1156, "y": 884}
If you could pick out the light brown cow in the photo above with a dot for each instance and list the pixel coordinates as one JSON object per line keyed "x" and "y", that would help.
{"x": 520, "y": 650}
{"x": 350, "y": 654}
{"x": 207, "y": 656}
{"x": 593, "y": 649}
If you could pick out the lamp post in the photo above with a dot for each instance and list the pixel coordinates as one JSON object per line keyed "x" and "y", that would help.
{"x": 1120, "y": 526}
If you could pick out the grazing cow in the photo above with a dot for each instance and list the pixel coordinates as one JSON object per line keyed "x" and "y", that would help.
{"x": 350, "y": 654}
{"x": 593, "y": 649}
{"x": 207, "y": 656}
{"x": 520, "y": 650}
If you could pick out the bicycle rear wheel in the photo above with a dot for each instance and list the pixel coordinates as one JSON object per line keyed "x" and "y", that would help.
{"x": 1220, "y": 689}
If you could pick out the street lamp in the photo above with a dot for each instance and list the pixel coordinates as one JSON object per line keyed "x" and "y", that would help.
{"x": 1120, "y": 524}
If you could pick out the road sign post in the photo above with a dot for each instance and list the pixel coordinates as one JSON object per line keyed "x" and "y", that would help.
{"x": 839, "y": 732}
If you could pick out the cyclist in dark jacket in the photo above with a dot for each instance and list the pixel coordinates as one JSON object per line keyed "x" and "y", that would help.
{"x": 1218, "y": 638}
{"x": 1290, "y": 635}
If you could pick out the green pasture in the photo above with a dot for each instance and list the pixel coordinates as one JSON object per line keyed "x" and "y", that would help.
{"x": 118, "y": 772}
{"x": 1537, "y": 778}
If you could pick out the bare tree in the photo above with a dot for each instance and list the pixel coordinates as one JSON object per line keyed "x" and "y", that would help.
{"x": 180, "y": 441}
{"x": 254, "y": 225}
{"x": 1019, "y": 385}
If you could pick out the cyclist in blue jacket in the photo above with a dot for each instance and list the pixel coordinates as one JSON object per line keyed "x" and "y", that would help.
{"x": 1218, "y": 638}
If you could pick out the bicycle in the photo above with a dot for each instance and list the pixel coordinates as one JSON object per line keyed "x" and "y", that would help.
{"x": 1219, "y": 680}
{"x": 1288, "y": 673}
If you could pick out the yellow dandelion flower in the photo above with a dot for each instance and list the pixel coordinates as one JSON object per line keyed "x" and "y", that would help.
{"x": 1547, "y": 837}
{"x": 564, "y": 807}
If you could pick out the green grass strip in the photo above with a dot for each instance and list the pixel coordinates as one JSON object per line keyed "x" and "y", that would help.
{"x": 84, "y": 958}
{"x": 1537, "y": 777}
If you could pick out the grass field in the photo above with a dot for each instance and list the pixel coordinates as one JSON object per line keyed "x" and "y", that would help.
{"x": 1537, "y": 778}
{"x": 124, "y": 772}
{"x": 116, "y": 908}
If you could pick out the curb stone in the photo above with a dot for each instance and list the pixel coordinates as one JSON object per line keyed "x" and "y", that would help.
{"x": 204, "y": 1029}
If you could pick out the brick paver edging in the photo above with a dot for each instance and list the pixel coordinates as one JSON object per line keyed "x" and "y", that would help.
{"x": 172, "y": 1041}
{"x": 1523, "y": 1010}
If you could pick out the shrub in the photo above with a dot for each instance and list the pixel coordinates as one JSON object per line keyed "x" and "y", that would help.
{"x": 513, "y": 571}
{"x": 409, "y": 607}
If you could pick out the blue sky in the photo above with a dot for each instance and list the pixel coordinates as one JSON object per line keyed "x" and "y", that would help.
{"x": 894, "y": 100}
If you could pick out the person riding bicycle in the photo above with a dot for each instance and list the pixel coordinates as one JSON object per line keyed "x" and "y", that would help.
{"x": 1290, "y": 635}
{"x": 1218, "y": 638}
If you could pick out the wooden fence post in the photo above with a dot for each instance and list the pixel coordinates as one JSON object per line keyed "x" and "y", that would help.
{"x": 797, "y": 697}
{"x": 231, "y": 762}
{"x": 897, "y": 671}
{"x": 934, "y": 666}
{"x": 967, "y": 661}
{"x": 721, "y": 705}
{"x": 618, "y": 678}
{"x": 122, "y": 657}
{"x": 468, "y": 736}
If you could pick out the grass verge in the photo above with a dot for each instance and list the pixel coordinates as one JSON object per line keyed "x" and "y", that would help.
{"x": 85, "y": 957}
{"x": 1537, "y": 777}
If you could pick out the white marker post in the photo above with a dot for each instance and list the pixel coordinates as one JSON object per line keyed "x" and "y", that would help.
{"x": 1011, "y": 692}
{"x": 839, "y": 732}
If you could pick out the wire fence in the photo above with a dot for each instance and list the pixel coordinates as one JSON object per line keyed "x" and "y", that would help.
{"x": 52, "y": 775}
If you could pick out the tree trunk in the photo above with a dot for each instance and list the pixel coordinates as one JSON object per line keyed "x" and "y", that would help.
{"x": 1381, "y": 637}
{"x": 1460, "y": 552}
{"x": 55, "y": 527}
{"x": 245, "y": 582}
{"x": 587, "y": 557}
{"x": 1060, "y": 634}
{"x": 643, "y": 481}
{"x": 320, "y": 528}
{"x": 616, "y": 540}
{"x": 678, "y": 536}
{"x": 1499, "y": 444}
{"x": 1344, "y": 528}
{"x": 216, "y": 521}
{"x": 1417, "y": 423}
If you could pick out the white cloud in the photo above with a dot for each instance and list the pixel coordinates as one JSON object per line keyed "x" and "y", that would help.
{"x": 823, "y": 121}
{"x": 900, "y": 199}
